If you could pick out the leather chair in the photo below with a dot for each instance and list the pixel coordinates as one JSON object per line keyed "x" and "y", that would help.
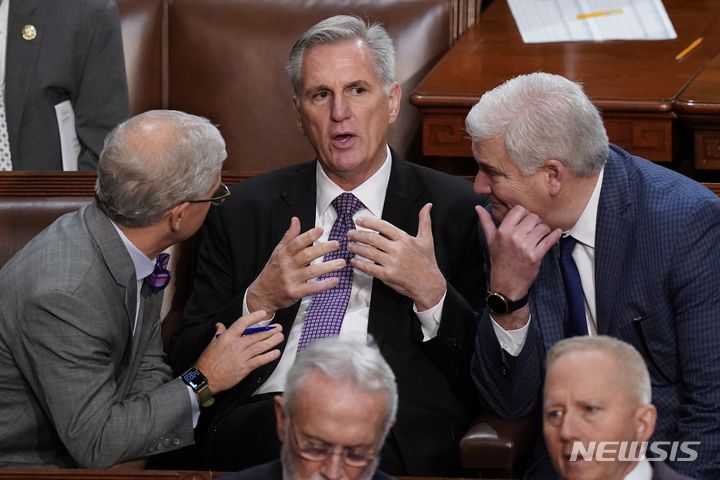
{"x": 224, "y": 59}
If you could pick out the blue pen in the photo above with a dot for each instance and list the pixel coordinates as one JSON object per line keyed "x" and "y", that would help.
{"x": 251, "y": 330}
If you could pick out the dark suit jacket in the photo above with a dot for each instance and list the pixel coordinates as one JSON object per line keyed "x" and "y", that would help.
{"x": 77, "y": 388}
{"x": 76, "y": 55}
{"x": 657, "y": 287}
{"x": 433, "y": 377}
{"x": 273, "y": 471}
{"x": 543, "y": 470}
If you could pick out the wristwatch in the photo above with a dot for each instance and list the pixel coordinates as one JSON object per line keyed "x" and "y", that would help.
{"x": 199, "y": 384}
{"x": 500, "y": 305}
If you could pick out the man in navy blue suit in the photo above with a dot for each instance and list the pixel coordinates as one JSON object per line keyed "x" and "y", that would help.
{"x": 642, "y": 259}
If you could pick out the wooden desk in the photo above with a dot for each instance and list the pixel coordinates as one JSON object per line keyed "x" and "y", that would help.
{"x": 699, "y": 106}
{"x": 635, "y": 84}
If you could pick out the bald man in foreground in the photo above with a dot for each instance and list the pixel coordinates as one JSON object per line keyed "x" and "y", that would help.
{"x": 596, "y": 425}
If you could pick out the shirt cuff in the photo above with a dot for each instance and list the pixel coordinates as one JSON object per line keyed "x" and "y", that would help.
{"x": 246, "y": 310}
{"x": 511, "y": 341}
{"x": 195, "y": 406}
{"x": 430, "y": 319}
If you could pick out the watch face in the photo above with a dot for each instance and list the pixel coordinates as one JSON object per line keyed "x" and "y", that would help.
{"x": 194, "y": 378}
{"x": 497, "y": 304}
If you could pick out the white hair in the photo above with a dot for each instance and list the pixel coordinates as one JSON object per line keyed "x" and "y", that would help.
{"x": 542, "y": 117}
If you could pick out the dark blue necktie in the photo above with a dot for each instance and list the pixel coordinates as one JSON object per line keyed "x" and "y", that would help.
{"x": 576, "y": 322}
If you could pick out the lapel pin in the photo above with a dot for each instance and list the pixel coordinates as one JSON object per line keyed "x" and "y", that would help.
{"x": 29, "y": 32}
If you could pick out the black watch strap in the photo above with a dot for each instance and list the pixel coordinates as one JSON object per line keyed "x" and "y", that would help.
{"x": 500, "y": 304}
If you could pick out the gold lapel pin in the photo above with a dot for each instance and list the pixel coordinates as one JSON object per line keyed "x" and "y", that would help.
{"x": 29, "y": 32}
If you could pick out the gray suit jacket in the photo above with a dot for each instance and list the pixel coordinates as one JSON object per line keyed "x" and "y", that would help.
{"x": 76, "y": 55}
{"x": 77, "y": 388}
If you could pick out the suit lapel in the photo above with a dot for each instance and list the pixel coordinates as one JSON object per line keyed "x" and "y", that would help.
{"x": 547, "y": 299}
{"x": 614, "y": 219}
{"x": 401, "y": 209}
{"x": 115, "y": 256}
{"x": 19, "y": 64}
{"x": 297, "y": 200}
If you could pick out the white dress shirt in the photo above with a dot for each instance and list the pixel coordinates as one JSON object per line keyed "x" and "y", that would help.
{"x": 4, "y": 16}
{"x": 355, "y": 323}
{"x": 584, "y": 256}
{"x": 642, "y": 471}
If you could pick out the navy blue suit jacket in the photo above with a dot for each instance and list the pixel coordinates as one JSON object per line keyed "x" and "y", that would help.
{"x": 657, "y": 287}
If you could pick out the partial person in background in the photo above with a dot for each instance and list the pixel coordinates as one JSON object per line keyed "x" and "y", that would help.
{"x": 338, "y": 407}
{"x": 581, "y": 411}
{"x": 83, "y": 377}
{"x": 59, "y": 59}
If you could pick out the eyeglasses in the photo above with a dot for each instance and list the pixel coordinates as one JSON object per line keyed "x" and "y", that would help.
{"x": 320, "y": 453}
{"x": 218, "y": 196}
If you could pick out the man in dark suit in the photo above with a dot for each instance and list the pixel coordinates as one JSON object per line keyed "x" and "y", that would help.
{"x": 339, "y": 404}
{"x": 415, "y": 295}
{"x": 83, "y": 382}
{"x": 604, "y": 419}
{"x": 57, "y": 51}
{"x": 638, "y": 259}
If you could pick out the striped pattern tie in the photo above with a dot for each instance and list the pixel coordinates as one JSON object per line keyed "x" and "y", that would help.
{"x": 160, "y": 277}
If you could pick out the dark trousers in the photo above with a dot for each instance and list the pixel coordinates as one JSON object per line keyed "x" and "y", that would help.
{"x": 245, "y": 436}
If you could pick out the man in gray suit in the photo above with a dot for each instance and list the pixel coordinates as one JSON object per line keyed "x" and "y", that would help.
{"x": 82, "y": 375}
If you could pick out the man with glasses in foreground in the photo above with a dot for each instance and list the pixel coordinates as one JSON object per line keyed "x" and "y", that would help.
{"x": 339, "y": 403}
{"x": 83, "y": 382}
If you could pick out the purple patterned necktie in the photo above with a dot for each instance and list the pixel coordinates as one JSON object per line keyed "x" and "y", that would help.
{"x": 160, "y": 277}
{"x": 325, "y": 314}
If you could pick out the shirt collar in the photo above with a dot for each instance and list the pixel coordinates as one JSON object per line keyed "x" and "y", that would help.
{"x": 371, "y": 193}
{"x": 584, "y": 229}
{"x": 642, "y": 471}
{"x": 143, "y": 265}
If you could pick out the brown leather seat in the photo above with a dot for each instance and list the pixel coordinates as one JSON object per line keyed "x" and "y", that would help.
{"x": 224, "y": 59}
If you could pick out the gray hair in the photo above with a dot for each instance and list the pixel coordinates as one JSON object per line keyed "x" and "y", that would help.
{"x": 542, "y": 117}
{"x": 343, "y": 28}
{"x": 154, "y": 162}
{"x": 344, "y": 360}
{"x": 630, "y": 363}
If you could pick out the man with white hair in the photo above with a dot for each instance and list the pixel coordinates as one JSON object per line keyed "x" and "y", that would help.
{"x": 339, "y": 404}
{"x": 581, "y": 412}
{"x": 584, "y": 238}
{"x": 83, "y": 382}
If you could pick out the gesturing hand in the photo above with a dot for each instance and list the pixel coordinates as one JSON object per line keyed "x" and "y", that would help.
{"x": 283, "y": 280}
{"x": 230, "y": 357}
{"x": 405, "y": 263}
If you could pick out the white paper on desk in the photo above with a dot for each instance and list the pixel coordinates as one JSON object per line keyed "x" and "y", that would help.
{"x": 547, "y": 21}
{"x": 69, "y": 144}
